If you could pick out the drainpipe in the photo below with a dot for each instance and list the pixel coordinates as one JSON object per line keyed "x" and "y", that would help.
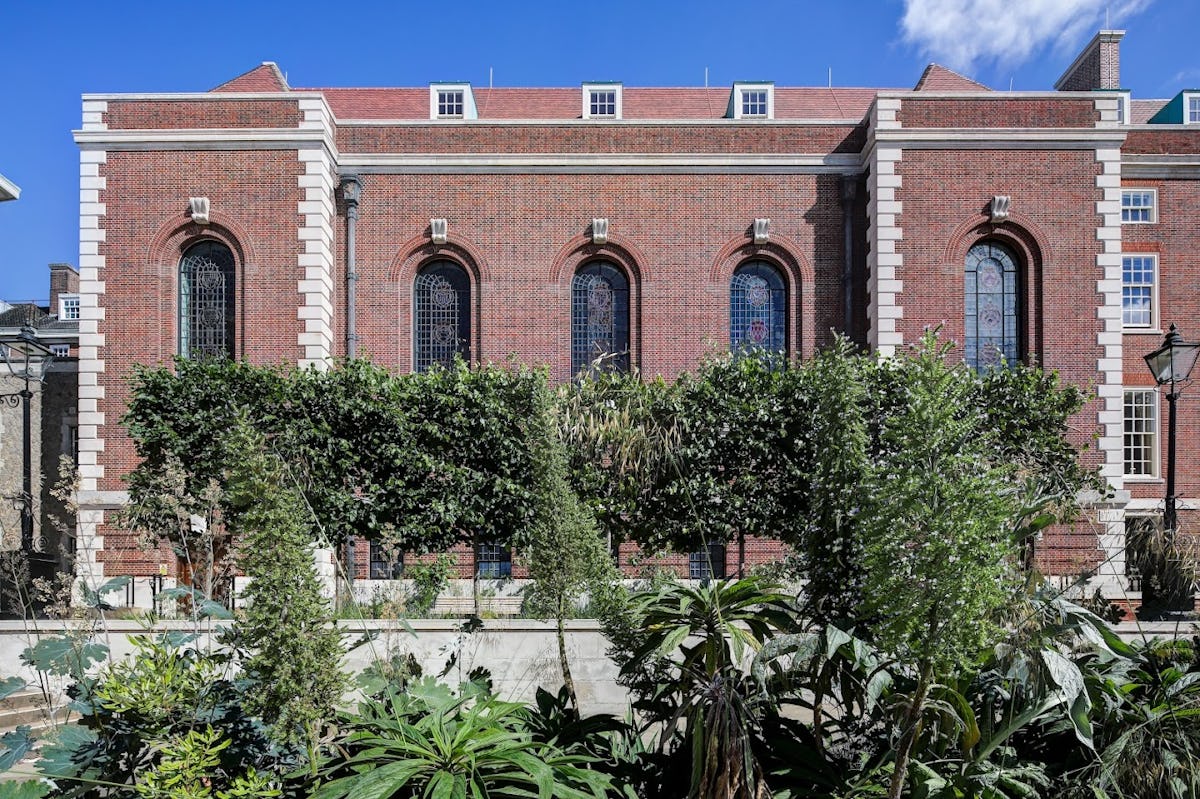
{"x": 848, "y": 186}
{"x": 351, "y": 190}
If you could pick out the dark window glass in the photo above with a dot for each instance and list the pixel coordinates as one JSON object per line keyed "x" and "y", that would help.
{"x": 493, "y": 560}
{"x": 206, "y": 301}
{"x": 707, "y": 564}
{"x": 600, "y": 319}
{"x": 991, "y": 305}
{"x": 442, "y": 298}
{"x": 387, "y": 563}
{"x": 757, "y": 309}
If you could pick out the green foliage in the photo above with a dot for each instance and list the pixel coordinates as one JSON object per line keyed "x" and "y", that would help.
{"x": 428, "y": 581}
{"x": 429, "y": 742}
{"x": 137, "y": 710}
{"x": 184, "y": 768}
{"x": 295, "y": 651}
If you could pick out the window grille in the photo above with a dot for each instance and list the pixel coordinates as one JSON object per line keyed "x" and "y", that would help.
{"x": 450, "y": 103}
{"x": 68, "y": 307}
{"x": 442, "y": 299}
{"x": 603, "y": 103}
{"x": 1193, "y": 109}
{"x": 754, "y": 103}
{"x": 991, "y": 307}
{"x": 1137, "y": 290}
{"x": 387, "y": 562}
{"x": 493, "y": 560}
{"x": 757, "y": 309}
{"x": 599, "y": 319}
{"x": 60, "y": 350}
{"x": 206, "y": 301}
{"x": 1141, "y": 433}
{"x": 708, "y": 563}
{"x": 1138, "y": 206}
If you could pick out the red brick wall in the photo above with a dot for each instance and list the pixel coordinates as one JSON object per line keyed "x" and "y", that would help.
{"x": 254, "y": 199}
{"x": 988, "y": 112}
{"x": 183, "y": 114}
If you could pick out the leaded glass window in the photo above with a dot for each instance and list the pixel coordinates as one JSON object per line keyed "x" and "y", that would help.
{"x": 387, "y": 562}
{"x": 442, "y": 294}
{"x": 207, "y": 301}
{"x": 708, "y": 563}
{"x": 493, "y": 560}
{"x": 600, "y": 319}
{"x": 991, "y": 307}
{"x": 757, "y": 309}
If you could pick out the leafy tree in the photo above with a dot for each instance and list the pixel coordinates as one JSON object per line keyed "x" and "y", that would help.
{"x": 295, "y": 651}
{"x": 564, "y": 549}
{"x": 936, "y": 532}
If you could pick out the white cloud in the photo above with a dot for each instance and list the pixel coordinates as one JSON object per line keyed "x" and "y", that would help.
{"x": 965, "y": 33}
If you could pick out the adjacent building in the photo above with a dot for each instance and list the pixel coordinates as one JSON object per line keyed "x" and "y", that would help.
{"x": 650, "y": 225}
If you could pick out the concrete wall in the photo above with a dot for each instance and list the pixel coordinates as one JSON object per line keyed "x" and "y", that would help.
{"x": 522, "y": 655}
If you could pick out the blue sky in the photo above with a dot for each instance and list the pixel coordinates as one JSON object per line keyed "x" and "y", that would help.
{"x": 54, "y": 51}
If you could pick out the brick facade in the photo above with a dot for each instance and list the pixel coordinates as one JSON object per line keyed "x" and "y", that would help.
{"x": 906, "y": 177}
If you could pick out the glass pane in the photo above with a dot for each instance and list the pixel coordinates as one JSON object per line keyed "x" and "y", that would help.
{"x": 206, "y": 301}
{"x": 442, "y": 318}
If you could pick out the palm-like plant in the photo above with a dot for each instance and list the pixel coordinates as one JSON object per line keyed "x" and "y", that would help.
{"x": 432, "y": 744}
{"x": 705, "y": 638}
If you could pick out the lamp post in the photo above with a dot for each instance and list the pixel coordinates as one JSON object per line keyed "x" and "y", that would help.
{"x": 22, "y": 354}
{"x": 1171, "y": 364}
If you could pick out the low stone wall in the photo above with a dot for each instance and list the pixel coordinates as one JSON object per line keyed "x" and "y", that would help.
{"x": 521, "y": 654}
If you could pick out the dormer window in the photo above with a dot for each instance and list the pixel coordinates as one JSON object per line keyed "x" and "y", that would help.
{"x": 1192, "y": 110}
{"x": 451, "y": 101}
{"x": 601, "y": 101}
{"x": 752, "y": 101}
{"x": 68, "y": 307}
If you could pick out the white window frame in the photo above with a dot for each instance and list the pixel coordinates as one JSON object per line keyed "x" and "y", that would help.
{"x": 60, "y": 350}
{"x": 1150, "y": 326}
{"x": 592, "y": 88}
{"x": 1129, "y": 404}
{"x": 1188, "y": 99}
{"x": 435, "y": 100}
{"x": 65, "y": 302}
{"x": 738, "y": 97}
{"x": 1124, "y": 108}
{"x": 1127, "y": 193}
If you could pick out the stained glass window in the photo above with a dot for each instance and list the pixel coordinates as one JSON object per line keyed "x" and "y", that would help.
{"x": 991, "y": 307}
{"x": 442, "y": 322}
{"x": 600, "y": 319}
{"x": 757, "y": 309}
{"x": 206, "y": 301}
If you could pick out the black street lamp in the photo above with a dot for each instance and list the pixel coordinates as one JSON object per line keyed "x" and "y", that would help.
{"x": 1171, "y": 364}
{"x": 23, "y": 354}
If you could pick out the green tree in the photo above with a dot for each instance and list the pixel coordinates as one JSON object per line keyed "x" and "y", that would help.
{"x": 936, "y": 532}
{"x": 295, "y": 650}
{"x": 564, "y": 549}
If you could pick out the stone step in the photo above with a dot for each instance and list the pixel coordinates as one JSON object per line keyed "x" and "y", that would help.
{"x": 25, "y": 708}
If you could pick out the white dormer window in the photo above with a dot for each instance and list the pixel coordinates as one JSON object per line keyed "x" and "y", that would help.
{"x": 1123, "y": 108}
{"x": 68, "y": 306}
{"x": 1191, "y": 109}
{"x": 752, "y": 101}
{"x": 451, "y": 101}
{"x": 601, "y": 101}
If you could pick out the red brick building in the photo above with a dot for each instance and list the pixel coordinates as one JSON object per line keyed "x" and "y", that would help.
{"x": 273, "y": 222}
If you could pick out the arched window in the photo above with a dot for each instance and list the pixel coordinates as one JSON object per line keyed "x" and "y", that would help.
{"x": 991, "y": 306}
{"x": 600, "y": 318}
{"x": 442, "y": 322}
{"x": 207, "y": 301}
{"x": 757, "y": 308}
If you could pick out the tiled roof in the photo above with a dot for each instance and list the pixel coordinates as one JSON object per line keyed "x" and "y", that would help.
{"x": 21, "y": 314}
{"x": 264, "y": 78}
{"x": 565, "y": 103}
{"x": 1142, "y": 110}
{"x": 937, "y": 78}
